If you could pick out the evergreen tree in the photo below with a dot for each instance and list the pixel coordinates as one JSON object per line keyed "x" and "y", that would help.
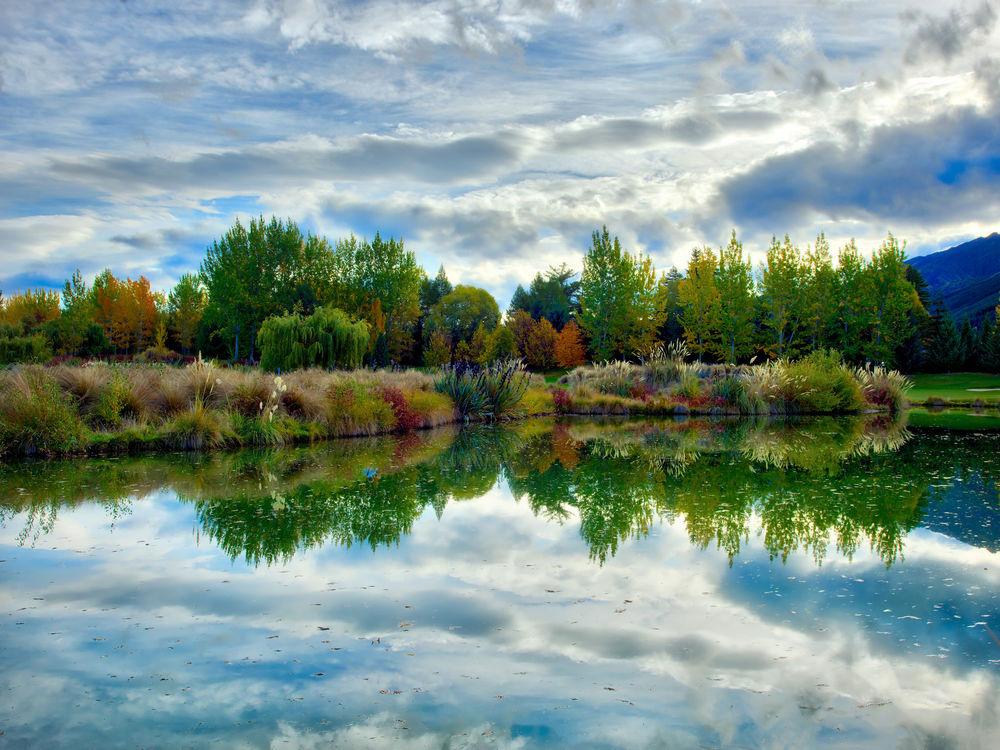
{"x": 943, "y": 352}
{"x": 668, "y": 305}
{"x": 968, "y": 346}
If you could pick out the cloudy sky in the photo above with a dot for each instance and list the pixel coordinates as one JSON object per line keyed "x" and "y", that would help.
{"x": 493, "y": 135}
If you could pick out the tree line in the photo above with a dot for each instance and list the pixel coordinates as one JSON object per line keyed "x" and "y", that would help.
{"x": 270, "y": 282}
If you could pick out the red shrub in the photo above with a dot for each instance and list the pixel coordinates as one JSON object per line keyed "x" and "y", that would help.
{"x": 407, "y": 418}
{"x": 562, "y": 400}
{"x": 641, "y": 391}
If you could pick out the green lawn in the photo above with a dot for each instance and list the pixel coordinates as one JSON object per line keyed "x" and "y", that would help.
{"x": 955, "y": 387}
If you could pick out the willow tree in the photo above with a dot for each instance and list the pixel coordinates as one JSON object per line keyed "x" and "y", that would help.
{"x": 327, "y": 339}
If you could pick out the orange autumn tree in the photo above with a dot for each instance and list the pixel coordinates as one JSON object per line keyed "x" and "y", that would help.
{"x": 569, "y": 350}
{"x": 128, "y": 311}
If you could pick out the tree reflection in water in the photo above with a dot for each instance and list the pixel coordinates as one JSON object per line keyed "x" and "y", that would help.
{"x": 801, "y": 484}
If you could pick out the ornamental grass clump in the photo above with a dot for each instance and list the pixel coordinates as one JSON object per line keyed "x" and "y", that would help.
{"x": 462, "y": 383}
{"x": 663, "y": 364}
{"x": 504, "y": 384}
{"x": 493, "y": 393}
{"x": 36, "y": 416}
{"x": 197, "y": 428}
{"x": 729, "y": 391}
{"x": 765, "y": 386}
{"x": 616, "y": 377}
{"x": 884, "y": 388}
{"x": 820, "y": 383}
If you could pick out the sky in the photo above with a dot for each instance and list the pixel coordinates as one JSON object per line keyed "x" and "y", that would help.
{"x": 493, "y": 136}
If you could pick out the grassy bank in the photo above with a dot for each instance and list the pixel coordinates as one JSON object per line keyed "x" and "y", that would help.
{"x": 103, "y": 408}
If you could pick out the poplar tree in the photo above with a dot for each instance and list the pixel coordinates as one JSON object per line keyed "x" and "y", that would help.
{"x": 781, "y": 297}
{"x": 185, "y": 308}
{"x": 698, "y": 295}
{"x": 380, "y": 271}
{"x": 820, "y": 294}
{"x": 734, "y": 281}
{"x": 852, "y": 302}
{"x": 605, "y": 288}
{"x": 892, "y": 298}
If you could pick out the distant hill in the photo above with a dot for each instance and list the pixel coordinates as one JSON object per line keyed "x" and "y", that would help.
{"x": 967, "y": 276}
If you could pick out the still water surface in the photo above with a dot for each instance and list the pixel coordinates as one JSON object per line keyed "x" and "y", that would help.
{"x": 628, "y": 584}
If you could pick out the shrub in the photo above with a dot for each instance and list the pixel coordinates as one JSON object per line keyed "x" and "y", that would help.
{"x": 24, "y": 349}
{"x": 562, "y": 400}
{"x": 407, "y": 419}
{"x": 107, "y": 408}
{"x": 36, "y": 417}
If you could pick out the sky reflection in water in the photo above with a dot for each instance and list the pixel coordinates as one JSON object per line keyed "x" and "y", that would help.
{"x": 628, "y": 584}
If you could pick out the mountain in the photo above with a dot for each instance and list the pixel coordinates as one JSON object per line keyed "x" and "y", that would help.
{"x": 967, "y": 276}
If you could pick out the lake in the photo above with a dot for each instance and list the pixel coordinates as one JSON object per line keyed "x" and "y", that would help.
{"x": 700, "y": 583}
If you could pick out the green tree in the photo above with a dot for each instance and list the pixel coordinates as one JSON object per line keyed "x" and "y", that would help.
{"x": 853, "y": 303}
{"x": 76, "y": 314}
{"x": 734, "y": 284}
{"x": 248, "y": 273}
{"x": 459, "y": 313}
{"x": 944, "y": 348}
{"x": 327, "y": 338}
{"x": 668, "y": 305}
{"x": 892, "y": 299}
{"x": 968, "y": 345}
{"x": 432, "y": 290}
{"x": 698, "y": 296}
{"x": 820, "y": 300}
{"x": 618, "y": 300}
{"x": 185, "y": 308}
{"x": 782, "y": 298}
{"x": 603, "y": 302}
{"x": 378, "y": 276}
{"x": 550, "y": 297}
